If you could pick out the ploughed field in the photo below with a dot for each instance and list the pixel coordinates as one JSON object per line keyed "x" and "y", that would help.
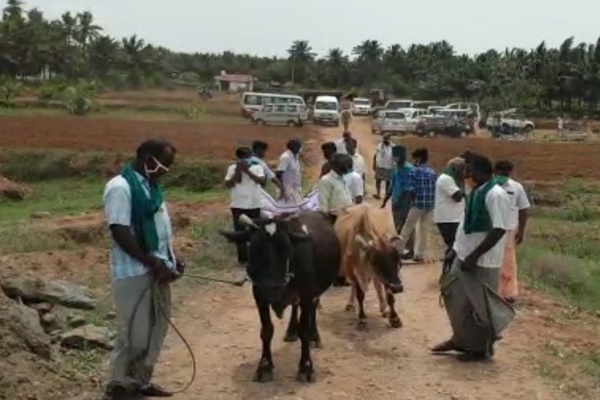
{"x": 204, "y": 139}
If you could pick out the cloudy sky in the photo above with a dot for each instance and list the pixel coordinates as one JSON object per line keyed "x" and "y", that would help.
{"x": 267, "y": 27}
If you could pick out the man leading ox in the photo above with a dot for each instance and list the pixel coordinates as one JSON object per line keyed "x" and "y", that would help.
{"x": 469, "y": 289}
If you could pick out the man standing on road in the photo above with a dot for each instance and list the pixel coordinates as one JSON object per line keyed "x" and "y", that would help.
{"x": 475, "y": 272}
{"x": 245, "y": 178}
{"x": 449, "y": 200}
{"x": 333, "y": 191}
{"x": 358, "y": 162}
{"x": 289, "y": 172}
{"x": 259, "y": 152}
{"x": 398, "y": 192}
{"x": 383, "y": 163}
{"x": 421, "y": 185}
{"x": 519, "y": 204}
{"x": 341, "y": 144}
{"x": 328, "y": 149}
{"x": 143, "y": 264}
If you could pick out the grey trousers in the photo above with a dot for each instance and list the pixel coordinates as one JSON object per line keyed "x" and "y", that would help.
{"x": 140, "y": 335}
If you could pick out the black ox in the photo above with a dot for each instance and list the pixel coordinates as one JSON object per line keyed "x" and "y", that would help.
{"x": 292, "y": 261}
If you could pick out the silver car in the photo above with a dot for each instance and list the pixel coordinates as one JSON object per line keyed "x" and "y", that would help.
{"x": 281, "y": 114}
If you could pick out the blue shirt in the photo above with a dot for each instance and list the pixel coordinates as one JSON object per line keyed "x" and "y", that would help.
{"x": 400, "y": 180}
{"x": 422, "y": 183}
{"x": 269, "y": 174}
{"x": 117, "y": 209}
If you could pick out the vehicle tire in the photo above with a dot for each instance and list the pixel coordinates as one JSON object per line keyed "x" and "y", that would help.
{"x": 528, "y": 129}
{"x": 291, "y": 123}
{"x": 463, "y": 134}
{"x": 261, "y": 122}
{"x": 432, "y": 134}
{"x": 299, "y": 123}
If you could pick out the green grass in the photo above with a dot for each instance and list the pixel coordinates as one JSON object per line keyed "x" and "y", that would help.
{"x": 25, "y": 238}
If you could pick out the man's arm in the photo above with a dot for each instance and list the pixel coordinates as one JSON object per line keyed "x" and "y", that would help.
{"x": 257, "y": 174}
{"x": 233, "y": 176}
{"x": 450, "y": 188}
{"x": 388, "y": 194}
{"x": 523, "y": 205}
{"x": 324, "y": 196}
{"x": 117, "y": 209}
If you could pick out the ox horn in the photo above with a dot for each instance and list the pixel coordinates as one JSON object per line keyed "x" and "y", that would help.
{"x": 363, "y": 242}
{"x": 246, "y": 220}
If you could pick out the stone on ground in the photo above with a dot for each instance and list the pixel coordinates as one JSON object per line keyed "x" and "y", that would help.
{"x": 55, "y": 292}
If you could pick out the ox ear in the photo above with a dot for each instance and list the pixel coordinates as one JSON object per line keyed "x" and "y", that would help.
{"x": 236, "y": 237}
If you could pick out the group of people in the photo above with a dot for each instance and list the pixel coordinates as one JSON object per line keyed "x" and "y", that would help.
{"x": 480, "y": 211}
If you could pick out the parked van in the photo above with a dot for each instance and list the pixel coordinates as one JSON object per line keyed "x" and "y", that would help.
{"x": 281, "y": 114}
{"x": 254, "y": 101}
{"x": 326, "y": 110}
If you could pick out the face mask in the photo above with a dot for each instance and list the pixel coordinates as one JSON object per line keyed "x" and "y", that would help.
{"x": 248, "y": 161}
{"x": 159, "y": 166}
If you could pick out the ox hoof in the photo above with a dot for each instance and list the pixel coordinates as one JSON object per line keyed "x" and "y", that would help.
{"x": 350, "y": 307}
{"x": 305, "y": 377}
{"x": 385, "y": 314}
{"x": 290, "y": 337}
{"x": 263, "y": 376}
{"x": 361, "y": 325}
{"x": 396, "y": 323}
{"x": 317, "y": 344}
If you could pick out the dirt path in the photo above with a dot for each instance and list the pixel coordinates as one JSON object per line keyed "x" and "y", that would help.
{"x": 222, "y": 327}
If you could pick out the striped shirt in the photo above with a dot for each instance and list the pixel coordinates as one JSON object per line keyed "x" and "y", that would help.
{"x": 117, "y": 210}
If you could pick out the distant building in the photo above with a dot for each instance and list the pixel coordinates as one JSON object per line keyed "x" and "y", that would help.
{"x": 234, "y": 82}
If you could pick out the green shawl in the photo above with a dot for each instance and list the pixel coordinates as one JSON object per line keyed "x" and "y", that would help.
{"x": 450, "y": 172}
{"x": 477, "y": 218}
{"x": 143, "y": 209}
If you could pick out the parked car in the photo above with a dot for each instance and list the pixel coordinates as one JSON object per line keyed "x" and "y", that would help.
{"x": 509, "y": 122}
{"x": 327, "y": 111}
{"x": 397, "y": 104}
{"x": 281, "y": 114}
{"x": 437, "y": 125}
{"x": 389, "y": 121}
{"x": 412, "y": 117}
{"x": 361, "y": 106}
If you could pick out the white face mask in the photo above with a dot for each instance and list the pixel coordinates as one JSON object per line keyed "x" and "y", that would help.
{"x": 159, "y": 166}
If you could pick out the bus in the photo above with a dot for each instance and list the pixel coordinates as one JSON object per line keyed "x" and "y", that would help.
{"x": 254, "y": 101}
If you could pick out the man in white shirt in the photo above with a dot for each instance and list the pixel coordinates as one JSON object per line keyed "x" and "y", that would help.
{"x": 259, "y": 152}
{"x": 333, "y": 191}
{"x": 478, "y": 255}
{"x": 341, "y": 143}
{"x": 355, "y": 186}
{"x": 449, "y": 200}
{"x": 383, "y": 165}
{"x": 358, "y": 162}
{"x": 289, "y": 172}
{"x": 519, "y": 204}
{"x": 245, "y": 178}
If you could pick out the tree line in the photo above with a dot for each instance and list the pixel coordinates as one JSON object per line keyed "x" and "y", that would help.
{"x": 563, "y": 79}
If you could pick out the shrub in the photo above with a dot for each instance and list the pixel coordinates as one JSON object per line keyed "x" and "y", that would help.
{"x": 9, "y": 89}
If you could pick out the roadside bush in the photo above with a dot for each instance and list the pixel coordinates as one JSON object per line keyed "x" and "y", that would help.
{"x": 9, "y": 89}
{"x": 196, "y": 175}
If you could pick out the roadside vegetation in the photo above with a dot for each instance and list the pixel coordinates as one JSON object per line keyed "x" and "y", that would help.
{"x": 561, "y": 257}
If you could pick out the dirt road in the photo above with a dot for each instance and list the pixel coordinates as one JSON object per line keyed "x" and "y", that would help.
{"x": 222, "y": 327}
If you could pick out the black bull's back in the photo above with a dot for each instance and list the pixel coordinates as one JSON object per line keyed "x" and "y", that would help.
{"x": 315, "y": 263}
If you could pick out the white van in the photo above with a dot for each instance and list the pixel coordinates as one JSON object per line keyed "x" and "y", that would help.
{"x": 255, "y": 101}
{"x": 326, "y": 110}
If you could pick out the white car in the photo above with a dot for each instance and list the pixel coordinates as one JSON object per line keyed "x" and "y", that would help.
{"x": 361, "y": 106}
{"x": 326, "y": 110}
{"x": 413, "y": 116}
{"x": 510, "y": 121}
{"x": 281, "y": 114}
{"x": 389, "y": 121}
{"x": 398, "y": 104}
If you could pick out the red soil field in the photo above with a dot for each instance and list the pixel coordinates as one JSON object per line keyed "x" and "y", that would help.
{"x": 205, "y": 139}
{"x": 532, "y": 160}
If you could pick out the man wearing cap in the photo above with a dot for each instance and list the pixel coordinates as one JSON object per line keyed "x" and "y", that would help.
{"x": 399, "y": 193}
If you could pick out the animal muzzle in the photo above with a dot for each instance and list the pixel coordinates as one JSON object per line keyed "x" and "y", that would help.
{"x": 395, "y": 288}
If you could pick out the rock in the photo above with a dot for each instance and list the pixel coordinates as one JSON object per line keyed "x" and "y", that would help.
{"x": 55, "y": 320}
{"x": 87, "y": 336}
{"x": 42, "y": 308}
{"x": 75, "y": 320}
{"x": 20, "y": 329}
{"x": 111, "y": 315}
{"x": 83, "y": 232}
{"x": 56, "y": 292}
{"x": 40, "y": 214}
{"x": 12, "y": 191}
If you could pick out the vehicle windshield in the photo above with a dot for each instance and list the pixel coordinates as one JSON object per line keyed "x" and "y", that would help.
{"x": 361, "y": 102}
{"x": 398, "y": 104}
{"x": 325, "y": 105}
{"x": 394, "y": 115}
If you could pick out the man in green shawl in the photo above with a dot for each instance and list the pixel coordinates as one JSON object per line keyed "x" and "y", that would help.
{"x": 143, "y": 264}
{"x": 469, "y": 289}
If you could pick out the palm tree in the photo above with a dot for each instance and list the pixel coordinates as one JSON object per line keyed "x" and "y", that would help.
{"x": 301, "y": 55}
{"x": 86, "y": 30}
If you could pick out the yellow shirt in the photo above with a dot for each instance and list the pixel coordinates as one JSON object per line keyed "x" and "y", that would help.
{"x": 333, "y": 193}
